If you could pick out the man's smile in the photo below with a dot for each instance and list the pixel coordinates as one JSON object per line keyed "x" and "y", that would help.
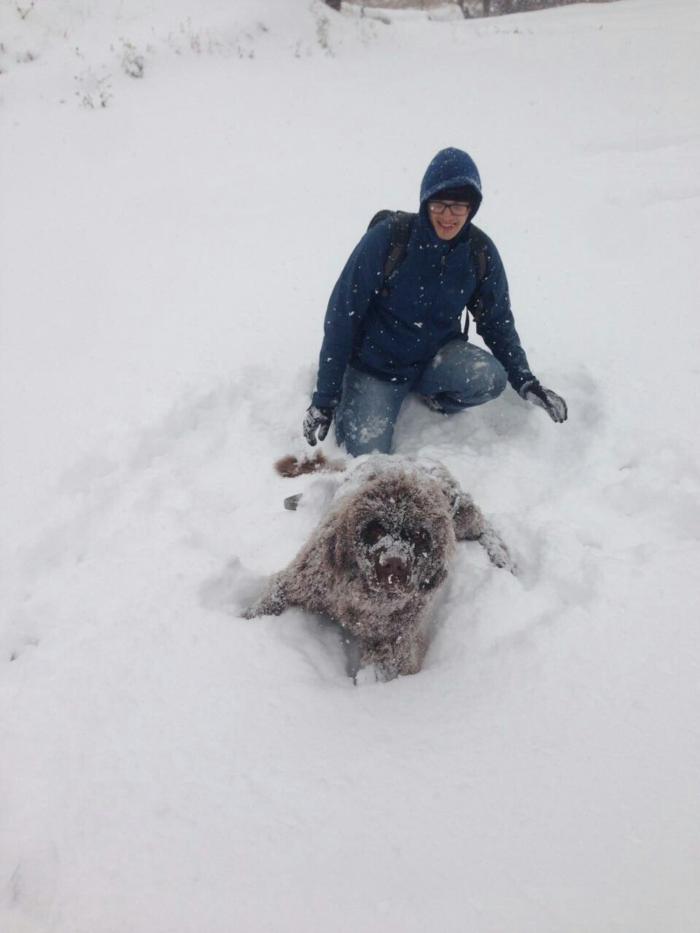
{"x": 446, "y": 228}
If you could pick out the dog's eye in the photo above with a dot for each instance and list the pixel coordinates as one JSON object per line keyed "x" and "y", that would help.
{"x": 373, "y": 533}
{"x": 420, "y": 540}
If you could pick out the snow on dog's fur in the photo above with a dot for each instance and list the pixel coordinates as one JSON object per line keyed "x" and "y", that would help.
{"x": 377, "y": 560}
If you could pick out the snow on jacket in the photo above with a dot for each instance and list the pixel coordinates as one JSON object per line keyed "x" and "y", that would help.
{"x": 394, "y": 335}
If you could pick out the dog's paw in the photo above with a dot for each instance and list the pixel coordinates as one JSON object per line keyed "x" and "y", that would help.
{"x": 235, "y": 590}
{"x": 498, "y": 553}
{"x": 370, "y": 674}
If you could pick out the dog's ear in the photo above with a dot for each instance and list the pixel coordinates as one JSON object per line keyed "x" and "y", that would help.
{"x": 432, "y": 582}
{"x": 342, "y": 557}
{"x": 333, "y": 535}
{"x": 331, "y": 545}
{"x": 340, "y": 547}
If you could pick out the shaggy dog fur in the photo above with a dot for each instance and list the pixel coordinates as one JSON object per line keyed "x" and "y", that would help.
{"x": 380, "y": 556}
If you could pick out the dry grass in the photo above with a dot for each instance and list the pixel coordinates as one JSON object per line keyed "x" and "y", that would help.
{"x": 475, "y": 6}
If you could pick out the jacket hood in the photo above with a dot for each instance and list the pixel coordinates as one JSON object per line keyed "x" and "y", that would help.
{"x": 451, "y": 168}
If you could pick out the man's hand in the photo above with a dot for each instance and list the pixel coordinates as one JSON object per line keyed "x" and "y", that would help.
{"x": 317, "y": 419}
{"x": 553, "y": 404}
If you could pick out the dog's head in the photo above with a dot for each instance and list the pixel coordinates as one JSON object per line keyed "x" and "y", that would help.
{"x": 396, "y": 535}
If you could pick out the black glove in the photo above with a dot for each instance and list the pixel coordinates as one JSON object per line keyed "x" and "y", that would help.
{"x": 316, "y": 419}
{"x": 553, "y": 404}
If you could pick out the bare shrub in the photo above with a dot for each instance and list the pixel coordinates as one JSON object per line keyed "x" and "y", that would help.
{"x": 469, "y": 8}
{"x": 93, "y": 90}
{"x": 133, "y": 62}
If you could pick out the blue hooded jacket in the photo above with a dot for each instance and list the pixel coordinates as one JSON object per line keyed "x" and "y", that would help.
{"x": 394, "y": 333}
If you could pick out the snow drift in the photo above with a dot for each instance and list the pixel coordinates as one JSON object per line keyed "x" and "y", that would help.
{"x": 170, "y": 233}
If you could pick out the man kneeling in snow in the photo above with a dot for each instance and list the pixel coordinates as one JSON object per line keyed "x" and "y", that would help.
{"x": 393, "y": 323}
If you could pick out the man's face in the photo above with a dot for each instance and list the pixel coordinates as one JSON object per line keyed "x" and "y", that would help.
{"x": 448, "y": 217}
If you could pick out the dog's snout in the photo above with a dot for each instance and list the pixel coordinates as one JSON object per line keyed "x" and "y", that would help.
{"x": 393, "y": 571}
{"x": 394, "y": 565}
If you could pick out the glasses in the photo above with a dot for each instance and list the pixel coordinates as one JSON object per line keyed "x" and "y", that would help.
{"x": 457, "y": 210}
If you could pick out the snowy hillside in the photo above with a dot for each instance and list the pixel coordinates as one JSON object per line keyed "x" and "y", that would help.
{"x": 181, "y": 183}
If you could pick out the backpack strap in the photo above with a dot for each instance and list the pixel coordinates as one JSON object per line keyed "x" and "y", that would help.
{"x": 479, "y": 248}
{"x": 401, "y": 227}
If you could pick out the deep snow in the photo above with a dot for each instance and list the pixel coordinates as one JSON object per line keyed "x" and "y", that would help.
{"x": 168, "y": 767}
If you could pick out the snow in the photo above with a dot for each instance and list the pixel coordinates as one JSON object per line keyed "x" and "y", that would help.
{"x": 168, "y": 767}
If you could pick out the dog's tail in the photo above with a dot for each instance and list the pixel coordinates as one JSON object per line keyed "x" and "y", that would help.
{"x": 292, "y": 466}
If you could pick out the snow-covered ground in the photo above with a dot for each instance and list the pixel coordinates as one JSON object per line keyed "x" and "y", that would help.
{"x": 165, "y": 766}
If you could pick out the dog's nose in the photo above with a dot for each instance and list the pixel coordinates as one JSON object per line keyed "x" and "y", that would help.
{"x": 392, "y": 571}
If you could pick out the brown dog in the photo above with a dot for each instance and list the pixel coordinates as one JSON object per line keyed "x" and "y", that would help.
{"x": 377, "y": 560}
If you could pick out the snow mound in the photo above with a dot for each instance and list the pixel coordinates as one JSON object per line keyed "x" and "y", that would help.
{"x": 169, "y": 766}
